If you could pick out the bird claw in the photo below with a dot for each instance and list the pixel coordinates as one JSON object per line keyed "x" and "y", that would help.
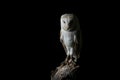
{"x": 70, "y": 61}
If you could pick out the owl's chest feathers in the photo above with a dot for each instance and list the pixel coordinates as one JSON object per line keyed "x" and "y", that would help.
{"x": 68, "y": 37}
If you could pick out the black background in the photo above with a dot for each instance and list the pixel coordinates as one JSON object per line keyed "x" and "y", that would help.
{"x": 33, "y": 38}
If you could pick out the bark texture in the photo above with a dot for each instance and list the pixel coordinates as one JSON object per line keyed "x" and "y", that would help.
{"x": 66, "y": 71}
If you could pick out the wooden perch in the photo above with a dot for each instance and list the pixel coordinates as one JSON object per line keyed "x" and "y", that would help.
{"x": 68, "y": 71}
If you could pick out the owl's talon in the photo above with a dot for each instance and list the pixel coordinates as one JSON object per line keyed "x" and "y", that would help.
{"x": 70, "y": 61}
{"x": 75, "y": 60}
{"x": 66, "y": 61}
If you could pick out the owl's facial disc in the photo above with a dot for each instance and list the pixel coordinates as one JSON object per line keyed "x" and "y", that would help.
{"x": 68, "y": 25}
{"x": 68, "y": 22}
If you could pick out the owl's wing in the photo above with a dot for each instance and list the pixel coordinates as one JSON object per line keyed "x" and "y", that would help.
{"x": 81, "y": 42}
{"x": 61, "y": 40}
{"x": 77, "y": 44}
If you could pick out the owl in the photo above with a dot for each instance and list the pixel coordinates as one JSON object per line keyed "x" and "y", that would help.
{"x": 70, "y": 36}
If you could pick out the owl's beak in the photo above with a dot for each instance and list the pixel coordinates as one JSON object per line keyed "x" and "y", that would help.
{"x": 66, "y": 27}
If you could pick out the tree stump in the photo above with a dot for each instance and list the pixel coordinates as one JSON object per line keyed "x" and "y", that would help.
{"x": 66, "y": 71}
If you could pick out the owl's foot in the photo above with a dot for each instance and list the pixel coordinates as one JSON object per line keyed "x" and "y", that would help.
{"x": 75, "y": 60}
{"x": 64, "y": 62}
{"x": 67, "y": 59}
{"x": 71, "y": 59}
{"x": 71, "y": 62}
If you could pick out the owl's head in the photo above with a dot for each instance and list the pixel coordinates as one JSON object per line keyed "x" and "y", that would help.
{"x": 69, "y": 22}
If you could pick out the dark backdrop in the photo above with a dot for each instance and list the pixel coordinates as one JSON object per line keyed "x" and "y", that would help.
{"x": 34, "y": 38}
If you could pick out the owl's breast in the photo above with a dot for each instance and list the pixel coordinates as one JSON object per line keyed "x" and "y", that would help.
{"x": 69, "y": 38}
{"x": 69, "y": 43}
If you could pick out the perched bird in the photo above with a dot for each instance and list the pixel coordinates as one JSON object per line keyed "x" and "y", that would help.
{"x": 70, "y": 36}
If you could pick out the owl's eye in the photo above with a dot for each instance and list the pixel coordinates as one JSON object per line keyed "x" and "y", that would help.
{"x": 71, "y": 21}
{"x": 63, "y": 21}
